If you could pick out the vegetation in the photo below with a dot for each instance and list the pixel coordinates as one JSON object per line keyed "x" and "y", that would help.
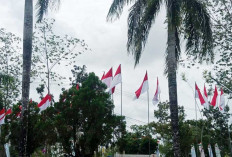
{"x": 181, "y": 21}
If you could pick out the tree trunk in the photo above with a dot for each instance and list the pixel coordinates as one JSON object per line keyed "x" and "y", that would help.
{"x": 172, "y": 85}
{"x": 27, "y": 51}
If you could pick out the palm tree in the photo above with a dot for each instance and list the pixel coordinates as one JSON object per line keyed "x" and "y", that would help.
{"x": 188, "y": 18}
{"x": 42, "y": 7}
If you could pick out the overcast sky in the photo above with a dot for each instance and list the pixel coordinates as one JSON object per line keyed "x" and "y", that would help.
{"x": 86, "y": 19}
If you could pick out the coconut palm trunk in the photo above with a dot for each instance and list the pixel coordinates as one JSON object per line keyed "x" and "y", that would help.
{"x": 27, "y": 52}
{"x": 172, "y": 86}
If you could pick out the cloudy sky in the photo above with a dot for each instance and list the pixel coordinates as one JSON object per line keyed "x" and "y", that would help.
{"x": 86, "y": 19}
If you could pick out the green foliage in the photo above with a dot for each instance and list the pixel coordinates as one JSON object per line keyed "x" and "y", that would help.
{"x": 222, "y": 22}
{"x": 10, "y": 67}
{"x": 52, "y": 51}
{"x": 180, "y": 17}
{"x": 210, "y": 131}
{"x": 137, "y": 141}
{"x": 85, "y": 119}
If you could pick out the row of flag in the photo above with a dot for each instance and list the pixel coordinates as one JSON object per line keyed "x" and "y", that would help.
{"x": 204, "y": 98}
{"x": 111, "y": 83}
{"x": 43, "y": 105}
{"x": 202, "y": 153}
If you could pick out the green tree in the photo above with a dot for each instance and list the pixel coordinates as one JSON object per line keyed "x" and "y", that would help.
{"x": 181, "y": 20}
{"x": 50, "y": 50}
{"x": 10, "y": 67}
{"x": 137, "y": 141}
{"x": 85, "y": 118}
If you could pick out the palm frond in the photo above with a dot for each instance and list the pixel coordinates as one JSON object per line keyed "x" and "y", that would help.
{"x": 140, "y": 19}
{"x": 197, "y": 31}
{"x": 42, "y": 7}
{"x": 116, "y": 9}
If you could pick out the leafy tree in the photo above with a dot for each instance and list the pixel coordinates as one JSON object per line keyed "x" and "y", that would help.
{"x": 85, "y": 118}
{"x": 137, "y": 141}
{"x": 10, "y": 67}
{"x": 181, "y": 20}
{"x": 49, "y": 50}
{"x": 210, "y": 131}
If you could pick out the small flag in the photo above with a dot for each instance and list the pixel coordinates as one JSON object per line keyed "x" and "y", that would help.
{"x": 6, "y": 146}
{"x": 77, "y": 87}
{"x": 214, "y": 99}
{"x": 210, "y": 151}
{"x": 222, "y": 102}
{"x": 199, "y": 95}
{"x": 143, "y": 88}
{"x": 3, "y": 115}
{"x": 205, "y": 96}
{"x": 45, "y": 102}
{"x": 107, "y": 79}
{"x": 117, "y": 77}
{"x": 19, "y": 113}
{"x": 155, "y": 99}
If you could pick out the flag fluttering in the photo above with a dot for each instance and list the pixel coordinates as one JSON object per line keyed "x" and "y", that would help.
{"x": 143, "y": 88}
{"x": 3, "y": 115}
{"x": 222, "y": 102}
{"x": 205, "y": 96}
{"x": 155, "y": 99}
{"x": 45, "y": 102}
{"x": 19, "y": 113}
{"x": 77, "y": 87}
{"x": 199, "y": 95}
{"x": 107, "y": 79}
{"x": 201, "y": 149}
{"x": 214, "y": 99}
{"x": 117, "y": 77}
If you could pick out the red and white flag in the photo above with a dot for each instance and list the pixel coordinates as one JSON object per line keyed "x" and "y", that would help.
{"x": 19, "y": 113}
{"x": 107, "y": 79}
{"x": 214, "y": 99}
{"x": 3, "y": 115}
{"x": 155, "y": 99}
{"x": 143, "y": 88}
{"x": 117, "y": 77}
{"x": 77, "y": 87}
{"x": 205, "y": 96}
{"x": 222, "y": 102}
{"x": 199, "y": 95}
{"x": 45, "y": 102}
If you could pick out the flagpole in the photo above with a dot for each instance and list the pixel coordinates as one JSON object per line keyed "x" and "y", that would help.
{"x": 148, "y": 119}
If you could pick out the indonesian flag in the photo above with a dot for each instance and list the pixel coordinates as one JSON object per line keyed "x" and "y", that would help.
{"x": 19, "y": 113}
{"x": 117, "y": 77}
{"x": 222, "y": 101}
{"x": 214, "y": 99}
{"x": 205, "y": 96}
{"x": 199, "y": 95}
{"x": 107, "y": 79}
{"x": 155, "y": 99}
{"x": 3, "y": 115}
{"x": 77, "y": 87}
{"x": 143, "y": 88}
{"x": 45, "y": 102}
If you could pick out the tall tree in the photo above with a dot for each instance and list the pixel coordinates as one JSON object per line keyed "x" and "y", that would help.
{"x": 42, "y": 6}
{"x": 184, "y": 17}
